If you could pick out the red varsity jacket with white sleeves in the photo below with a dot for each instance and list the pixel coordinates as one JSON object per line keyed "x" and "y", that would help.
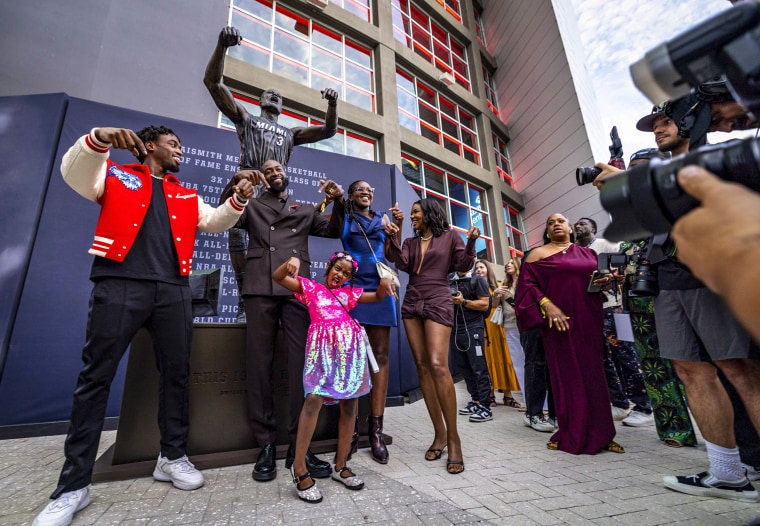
{"x": 124, "y": 192}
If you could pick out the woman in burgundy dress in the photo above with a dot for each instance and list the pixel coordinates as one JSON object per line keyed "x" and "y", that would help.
{"x": 428, "y": 314}
{"x": 551, "y": 294}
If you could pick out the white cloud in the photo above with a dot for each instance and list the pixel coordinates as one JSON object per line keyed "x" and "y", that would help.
{"x": 617, "y": 33}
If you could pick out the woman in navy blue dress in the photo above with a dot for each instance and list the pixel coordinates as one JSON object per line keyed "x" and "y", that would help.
{"x": 364, "y": 237}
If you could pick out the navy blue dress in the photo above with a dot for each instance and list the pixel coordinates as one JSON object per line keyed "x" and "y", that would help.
{"x": 382, "y": 312}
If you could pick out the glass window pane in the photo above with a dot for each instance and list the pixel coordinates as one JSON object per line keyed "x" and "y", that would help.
{"x": 459, "y": 216}
{"x": 481, "y": 221}
{"x": 411, "y": 170}
{"x": 358, "y": 54}
{"x": 322, "y": 82}
{"x": 421, "y": 37}
{"x": 448, "y": 108}
{"x": 418, "y": 190}
{"x": 326, "y": 62}
{"x": 251, "y": 54}
{"x": 252, "y": 30}
{"x": 419, "y": 17}
{"x": 470, "y": 155}
{"x": 451, "y": 145}
{"x": 517, "y": 241}
{"x": 291, "y": 120}
{"x": 406, "y": 101}
{"x": 334, "y": 144}
{"x": 457, "y": 49}
{"x": 429, "y": 133}
{"x": 483, "y": 249}
{"x": 352, "y": 6}
{"x": 261, "y": 9}
{"x": 426, "y": 94}
{"x": 327, "y": 39}
{"x": 442, "y": 53}
{"x": 513, "y": 219}
{"x": 469, "y": 139}
{"x": 405, "y": 82}
{"x": 477, "y": 197}
{"x": 428, "y": 114}
{"x": 448, "y": 126}
{"x": 290, "y": 70}
{"x": 361, "y": 148}
{"x": 360, "y": 98}
{"x": 439, "y": 33}
{"x": 457, "y": 189}
{"x": 434, "y": 180}
{"x": 358, "y": 76}
{"x": 466, "y": 119}
{"x": 407, "y": 121}
{"x": 459, "y": 66}
{"x": 291, "y": 47}
{"x": 291, "y": 22}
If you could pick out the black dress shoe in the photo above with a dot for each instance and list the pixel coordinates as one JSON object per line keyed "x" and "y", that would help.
{"x": 319, "y": 469}
{"x": 265, "y": 468}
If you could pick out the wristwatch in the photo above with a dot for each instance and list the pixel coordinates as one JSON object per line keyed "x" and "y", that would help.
{"x": 464, "y": 304}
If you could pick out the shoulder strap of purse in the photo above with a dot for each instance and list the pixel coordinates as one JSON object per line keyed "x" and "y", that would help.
{"x": 368, "y": 243}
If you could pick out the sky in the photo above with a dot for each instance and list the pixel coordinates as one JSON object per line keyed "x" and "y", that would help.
{"x": 616, "y": 33}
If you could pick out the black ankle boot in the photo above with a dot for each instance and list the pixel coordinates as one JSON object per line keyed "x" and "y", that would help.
{"x": 239, "y": 279}
{"x": 379, "y": 451}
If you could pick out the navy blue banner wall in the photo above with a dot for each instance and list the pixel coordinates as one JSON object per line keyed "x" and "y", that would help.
{"x": 44, "y": 264}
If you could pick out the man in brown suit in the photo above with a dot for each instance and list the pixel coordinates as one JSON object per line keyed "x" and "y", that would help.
{"x": 278, "y": 229}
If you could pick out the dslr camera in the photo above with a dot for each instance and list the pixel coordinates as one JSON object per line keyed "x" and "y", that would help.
{"x": 647, "y": 199}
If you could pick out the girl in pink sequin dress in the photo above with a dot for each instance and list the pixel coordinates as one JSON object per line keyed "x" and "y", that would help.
{"x": 336, "y": 360}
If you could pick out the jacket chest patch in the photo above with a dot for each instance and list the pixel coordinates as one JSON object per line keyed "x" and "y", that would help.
{"x": 130, "y": 181}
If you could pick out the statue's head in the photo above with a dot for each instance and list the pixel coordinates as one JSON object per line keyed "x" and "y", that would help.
{"x": 271, "y": 101}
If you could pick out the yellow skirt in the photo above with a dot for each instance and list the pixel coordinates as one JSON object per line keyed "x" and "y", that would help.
{"x": 497, "y": 357}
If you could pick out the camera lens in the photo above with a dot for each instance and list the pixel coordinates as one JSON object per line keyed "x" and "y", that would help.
{"x": 645, "y": 280}
{"x": 586, "y": 174}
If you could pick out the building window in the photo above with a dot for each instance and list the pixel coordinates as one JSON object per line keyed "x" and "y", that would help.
{"x": 503, "y": 164}
{"x": 430, "y": 41}
{"x": 515, "y": 233}
{"x": 480, "y": 27}
{"x": 424, "y": 111}
{"x": 361, "y": 8}
{"x": 452, "y": 7}
{"x": 295, "y": 47}
{"x": 344, "y": 142}
{"x": 490, "y": 91}
{"x": 464, "y": 203}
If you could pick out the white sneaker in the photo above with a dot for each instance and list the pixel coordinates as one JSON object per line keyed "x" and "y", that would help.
{"x": 553, "y": 422}
{"x": 753, "y": 472}
{"x": 526, "y": 420}
{"x": 61, "y": 511}
{"x": 619, "y": 413}
{"x": 540, "y": 423}
{"x": 180, "y": 472}
{"x": 639, "y": 419}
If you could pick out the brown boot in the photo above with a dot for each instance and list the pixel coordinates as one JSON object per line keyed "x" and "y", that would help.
{"x": 376, "y": 443}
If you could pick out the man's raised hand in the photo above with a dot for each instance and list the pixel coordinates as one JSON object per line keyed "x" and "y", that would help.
{"x": 121, "y": 139}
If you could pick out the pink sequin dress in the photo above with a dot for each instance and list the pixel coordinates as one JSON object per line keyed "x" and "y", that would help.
{"x": 336, "y": 356}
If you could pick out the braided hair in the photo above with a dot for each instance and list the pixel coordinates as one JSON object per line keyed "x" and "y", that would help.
{"x": 349, "y": 205}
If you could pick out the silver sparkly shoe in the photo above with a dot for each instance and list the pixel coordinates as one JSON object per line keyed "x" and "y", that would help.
{"x": 310, "y": 494}
{"x": 352, "y": 482}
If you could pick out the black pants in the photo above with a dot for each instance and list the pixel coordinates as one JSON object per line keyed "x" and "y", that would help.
{"x": 118, "y": 308}
{"x": 473, "y": 367}
{"x": 265, "y": 314}
{"x": 537, "y": 383}
{"x": 625, "y": 379}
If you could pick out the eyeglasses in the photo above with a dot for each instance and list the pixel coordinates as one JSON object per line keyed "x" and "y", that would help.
{"x": 364, "y": 189}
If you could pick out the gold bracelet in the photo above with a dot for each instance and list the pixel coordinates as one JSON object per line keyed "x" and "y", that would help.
{"x": 543, "y": 301}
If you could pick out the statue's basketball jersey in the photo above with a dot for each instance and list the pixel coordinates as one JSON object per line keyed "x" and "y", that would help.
{"x": 263, "y": 140}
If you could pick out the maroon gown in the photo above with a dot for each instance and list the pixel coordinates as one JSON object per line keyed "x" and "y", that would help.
{"x": 575, "y": 357}
{"x": 428, "y": 295}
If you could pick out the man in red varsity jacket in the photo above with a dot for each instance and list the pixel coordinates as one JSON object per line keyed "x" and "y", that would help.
{"x": 143, "y": 245}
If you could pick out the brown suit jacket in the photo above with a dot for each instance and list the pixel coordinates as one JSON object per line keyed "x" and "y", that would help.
{"x": 275, "y": 235}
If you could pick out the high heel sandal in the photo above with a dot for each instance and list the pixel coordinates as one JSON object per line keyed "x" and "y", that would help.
{"x": 311, "y": 494}
{"x": 453, "y": 464}
{"x": 614, "y": 447}
{"x": 436, "y": 453}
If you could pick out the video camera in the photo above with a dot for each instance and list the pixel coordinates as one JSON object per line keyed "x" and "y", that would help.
{"x": 647, "y": 199}
{"x": 587, "y": 174}
{"x": 639, "y": 264}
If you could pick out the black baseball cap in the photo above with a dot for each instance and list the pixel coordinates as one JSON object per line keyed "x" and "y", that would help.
{"x": 646, "y": 124}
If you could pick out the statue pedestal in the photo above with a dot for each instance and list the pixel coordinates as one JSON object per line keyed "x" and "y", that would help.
{"x": 219, "y": 430}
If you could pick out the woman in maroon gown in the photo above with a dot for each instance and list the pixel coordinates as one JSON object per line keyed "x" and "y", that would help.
{"x": 428, "y": 314}
{"x": 551, "y": 294}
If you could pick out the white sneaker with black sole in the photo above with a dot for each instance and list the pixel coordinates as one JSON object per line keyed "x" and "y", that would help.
{"x": 638, "y": 419}
{"x": 706, "y": 485}
{"x": 540, "y": 423}
{"x": 482, "y": 414}
{"x": 61, "y": 511}
{"x": 753, "y": 472}
{"x": 469, "y": 409}
{"x": 180, "y": 472}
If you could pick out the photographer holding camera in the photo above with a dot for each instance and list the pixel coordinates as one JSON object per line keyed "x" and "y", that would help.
{"x": 471, "y": 298}
{"x": 690, "y": 318}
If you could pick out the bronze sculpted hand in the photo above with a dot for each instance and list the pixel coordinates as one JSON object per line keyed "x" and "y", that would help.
{"x": 331, "y": 95}
{"x": 229, "y": 37}
{"x": 122, "y": 139}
